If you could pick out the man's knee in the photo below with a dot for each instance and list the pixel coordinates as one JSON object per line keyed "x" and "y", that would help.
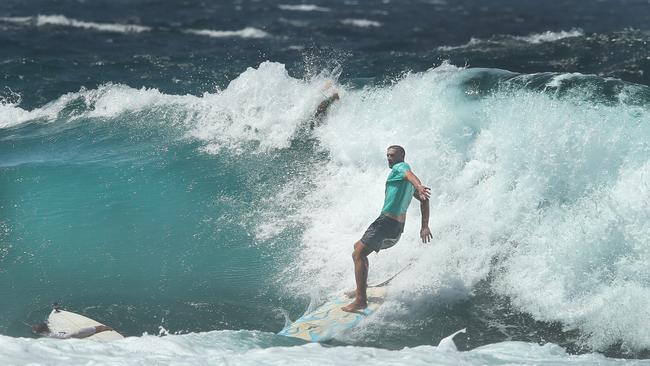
{"x": 360, "y": 251}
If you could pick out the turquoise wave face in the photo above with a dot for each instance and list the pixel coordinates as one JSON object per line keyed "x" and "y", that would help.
{"x": 145, "y": 209}
{"x": 137, "y": 227}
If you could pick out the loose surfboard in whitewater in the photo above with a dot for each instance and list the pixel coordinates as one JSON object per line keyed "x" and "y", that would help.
{"x": 69, "y": 322}
{"x": 328, "y": 320}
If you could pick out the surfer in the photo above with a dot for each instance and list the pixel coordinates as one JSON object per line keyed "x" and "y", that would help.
{"x": 385, "y": 231}
{"x": 43, "y": 330}
{"x": 322, "y": 108}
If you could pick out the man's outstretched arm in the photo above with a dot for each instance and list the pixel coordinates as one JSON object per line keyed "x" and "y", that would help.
{"x": 422, "y": 191}
{"x": 322, "y": 107}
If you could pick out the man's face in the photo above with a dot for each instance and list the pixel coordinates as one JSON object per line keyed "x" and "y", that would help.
{"x": 393, "y": 157}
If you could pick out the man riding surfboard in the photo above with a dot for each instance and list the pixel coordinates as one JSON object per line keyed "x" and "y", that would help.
{"x": 385, "y": 231}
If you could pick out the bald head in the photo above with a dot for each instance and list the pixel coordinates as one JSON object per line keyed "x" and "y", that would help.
{"x": 395, "y": 154}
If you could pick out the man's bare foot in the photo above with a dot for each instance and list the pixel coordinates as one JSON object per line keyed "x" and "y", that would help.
{"x": 355, "y": 306}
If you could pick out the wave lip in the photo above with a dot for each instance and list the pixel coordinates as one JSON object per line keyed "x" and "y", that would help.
{"x": 62, "y": 20}
{"x": 248, "y": 32}
{"x": 362, "y": 23}
{"x": 303, "y": 7}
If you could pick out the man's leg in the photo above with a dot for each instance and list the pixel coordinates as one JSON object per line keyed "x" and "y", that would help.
{"x": 360, "y": 258}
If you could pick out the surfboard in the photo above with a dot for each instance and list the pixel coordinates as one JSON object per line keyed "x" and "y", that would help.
{"x": 329, "y": 320}
{"x": 69, "y": 322}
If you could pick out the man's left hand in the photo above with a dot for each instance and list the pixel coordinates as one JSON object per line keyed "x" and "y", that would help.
{"x": 423, "y": 192}
{"x": 425, "y": 234}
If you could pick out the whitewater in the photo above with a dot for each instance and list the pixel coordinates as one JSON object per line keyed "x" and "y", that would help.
{"x": 540, "y": 207}
{"x": 255, "y": 348}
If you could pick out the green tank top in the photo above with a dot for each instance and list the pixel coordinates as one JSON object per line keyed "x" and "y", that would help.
{"x": 399, "y": 191}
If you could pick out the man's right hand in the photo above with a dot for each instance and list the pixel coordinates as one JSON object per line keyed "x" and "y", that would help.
{"x": 425, "y": 234}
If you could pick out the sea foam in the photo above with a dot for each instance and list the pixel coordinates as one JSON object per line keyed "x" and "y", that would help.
{"x": 258, "y": 348}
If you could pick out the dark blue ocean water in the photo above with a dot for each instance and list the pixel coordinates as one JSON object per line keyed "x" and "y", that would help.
{"x": 42, "y": 60}
{"x": 156, "y": 171}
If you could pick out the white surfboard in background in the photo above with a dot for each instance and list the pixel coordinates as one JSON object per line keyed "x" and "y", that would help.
{"x": 69, "y": 322}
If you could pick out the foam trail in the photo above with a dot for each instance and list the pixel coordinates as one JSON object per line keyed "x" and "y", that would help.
{"x": 304, "y": 7}
{"x": 549, "y": 36}
{"x": 472, "y": 42}
{"x": 362, "y": 23}
{"x": 248, "y": 32}
{"x": 503, "y": 40}
{"x": 61, "y": 20}
{"x": 17, "y": 20}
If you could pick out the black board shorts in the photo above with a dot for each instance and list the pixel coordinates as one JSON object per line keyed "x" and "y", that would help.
{"x": 383, "y": 233}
